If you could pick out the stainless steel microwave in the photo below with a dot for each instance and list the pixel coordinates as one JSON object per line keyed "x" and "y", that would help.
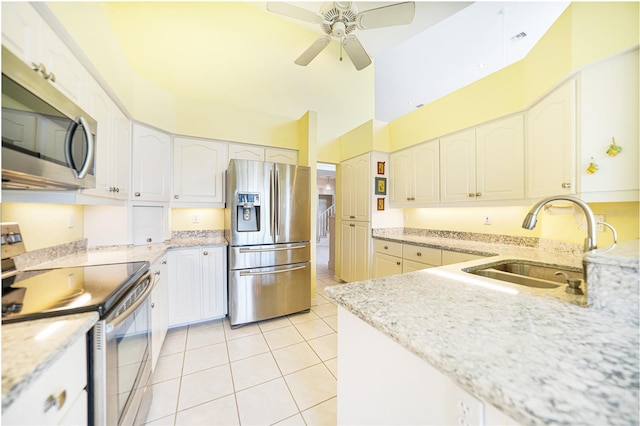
{"x": 48, "y": 142}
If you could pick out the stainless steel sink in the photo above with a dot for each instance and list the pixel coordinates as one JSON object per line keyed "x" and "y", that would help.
{"x": 525, "y": 273}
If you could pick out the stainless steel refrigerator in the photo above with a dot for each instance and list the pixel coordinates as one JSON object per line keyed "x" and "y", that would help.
{"x": 267, "y": 226}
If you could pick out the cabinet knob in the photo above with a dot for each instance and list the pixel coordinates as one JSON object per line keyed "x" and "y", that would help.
{"x": 566, "y": 185}
{"x": 205, "y": 253}
{"x": 153, "y": 305}
{"x": 137, "y": 194}
{"x": 386, "y": 247}
{"x": 176, "y": 196}
{"x": 149, "y": 240}
{"x": 164, "y": 262}
{"x": 471, "y": 195}
{"x": 419, "y": 254}
{"x": 352, "y": 224}
{"x": 398, "y": 263}
{"x": 478, "y": 194}
{"x": 117, "y": 189}
{"x": 352, "y": 217}
{"x": 55, "y": 401}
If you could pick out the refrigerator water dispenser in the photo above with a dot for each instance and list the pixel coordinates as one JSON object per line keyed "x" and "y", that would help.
{"x": 248, "y": 212}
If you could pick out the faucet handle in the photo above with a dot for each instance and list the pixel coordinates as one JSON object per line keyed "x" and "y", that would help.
{"x": 573, "y": 284}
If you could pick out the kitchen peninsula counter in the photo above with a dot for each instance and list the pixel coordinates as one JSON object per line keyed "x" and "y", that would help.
{"x": 537, "y": 359}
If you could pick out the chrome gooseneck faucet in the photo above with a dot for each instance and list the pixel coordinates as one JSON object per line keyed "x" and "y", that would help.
{"x": 589, "y": 242}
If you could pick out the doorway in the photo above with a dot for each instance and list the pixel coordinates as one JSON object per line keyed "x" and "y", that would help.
{"x": 325, "y": 242}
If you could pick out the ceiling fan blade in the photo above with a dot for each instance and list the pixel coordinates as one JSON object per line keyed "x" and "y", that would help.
{"x": 356, "y": 52}
{"x": 386, "y": 16}
{"x": 313, "y": 50}
{"x": 296, "y": 12}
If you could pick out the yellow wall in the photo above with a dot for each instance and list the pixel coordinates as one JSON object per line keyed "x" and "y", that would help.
{"x": 584, "y": 33}
{"x": 45, "y": 225}
{"x": 508, "y": 221}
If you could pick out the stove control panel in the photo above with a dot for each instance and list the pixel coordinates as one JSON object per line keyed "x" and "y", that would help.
{"x": 11, "y": 239}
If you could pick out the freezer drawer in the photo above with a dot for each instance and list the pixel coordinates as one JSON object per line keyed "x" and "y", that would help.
{"x": 268, "y": 254}
{"x": 262, "y": 293}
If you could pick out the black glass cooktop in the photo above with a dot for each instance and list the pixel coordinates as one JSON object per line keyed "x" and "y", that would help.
{"x": 50, "y": 292}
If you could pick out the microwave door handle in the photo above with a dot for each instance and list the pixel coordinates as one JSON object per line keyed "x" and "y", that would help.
{"x": 90, "y": 147}
{"x": 68, "y": 144}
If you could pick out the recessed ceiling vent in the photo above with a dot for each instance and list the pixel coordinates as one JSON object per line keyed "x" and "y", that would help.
{"x": 519, "y": 36}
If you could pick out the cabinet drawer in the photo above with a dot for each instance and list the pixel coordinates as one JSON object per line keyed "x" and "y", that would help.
{"x": 64, "y": 380}
{"x": 387, "y": 247}
{"x": 426, "y": 255}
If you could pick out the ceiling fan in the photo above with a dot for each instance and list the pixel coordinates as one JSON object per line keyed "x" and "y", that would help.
{"x": 340, "y": 19}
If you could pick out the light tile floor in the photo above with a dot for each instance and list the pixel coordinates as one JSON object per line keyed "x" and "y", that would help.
{"x": 282, "y": 371}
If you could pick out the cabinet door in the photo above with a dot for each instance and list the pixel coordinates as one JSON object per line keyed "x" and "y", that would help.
{"x": 347, "y": 267}
{"x": 401, "y": 178}
{"x": 150, "y": 164}
{"x": 609, "y": 109}
{"x": 500, "y": 159}
{"x": 361, "y": 250}
{"x": 426, "y": 173}
{"x": 246, "y": 152}
{"x": 551, "y": 144}
{"x": 285, "y": 156}
{"x": 385, "y": 265}
{"x": 185, "y": 276}
{"x": 100, "y": 109}
{"x": 21, "y": 30}
{"x": 198, "y": 170}
{"x": 458, "y": 167}
{"x": 120, "y": 155}
{"x": 159, "y": 308}
{"x": 347, "y": 176}
{"x": 214, "y": 282}
{"x": 362, "y": 188}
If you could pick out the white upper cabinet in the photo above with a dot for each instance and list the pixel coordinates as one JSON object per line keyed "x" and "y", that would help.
{"x": 245, "y": 152}
{"x": 279, "y": 155}
{"x": 355, "y": 188}
{"x": 26, "y": 34}
{"x": 414, "y": 178}
{"x": 485, "y": 163}
{"x": 609, "y": 110}
{"x": 551, "y": 144}
{"x": 151, "y": 164}
{"x": 198, "y": 170}
{"x": 500, "y": 159}
{"x": 113, "y": 146}
{"x": 458, "y": 166}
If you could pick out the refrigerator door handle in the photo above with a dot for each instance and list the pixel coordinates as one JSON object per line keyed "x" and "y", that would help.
{"x": 277, "y": 204}
{"x": 272, "y": 203}
{"x": 262, "y": 250}
{"x": 279, "y": 271}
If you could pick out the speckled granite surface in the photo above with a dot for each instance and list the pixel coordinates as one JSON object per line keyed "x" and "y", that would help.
{"x": 537, "y": 359}
{"x": 486, "y": 244}
{"x": 25, "y": 357}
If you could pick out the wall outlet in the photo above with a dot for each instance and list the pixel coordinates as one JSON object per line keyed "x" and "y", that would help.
{"x": 599, "y": 226}
{"x": 71, "y": 222}
{"x": 195, "y": 218}
{"x": 486, "y": 219}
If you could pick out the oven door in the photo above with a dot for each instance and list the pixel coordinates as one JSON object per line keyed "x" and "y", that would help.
{"x": 121, "y": 359}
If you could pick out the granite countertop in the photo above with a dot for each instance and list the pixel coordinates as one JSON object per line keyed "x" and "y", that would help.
{"x": 537, "y": 359}
{"x": 24, "y": 358}
{"x": 30, "y": 347}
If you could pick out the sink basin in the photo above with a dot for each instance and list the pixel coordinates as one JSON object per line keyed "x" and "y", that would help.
{"x": 529, "y": 274}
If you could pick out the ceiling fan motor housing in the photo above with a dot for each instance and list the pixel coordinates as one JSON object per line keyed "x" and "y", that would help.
{"x": 337, "y": 16}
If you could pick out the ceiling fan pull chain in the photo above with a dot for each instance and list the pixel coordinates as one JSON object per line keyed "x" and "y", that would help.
{"x": 341, "y": 43}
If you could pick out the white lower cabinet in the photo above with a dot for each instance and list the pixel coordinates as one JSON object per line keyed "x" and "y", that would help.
{"x": 159, "y": 308}
{"x": 58, "y": 396}
{"x": 355, "y": 238}
{"x": 380, "y": 382}
{"x": 197, "y": 284}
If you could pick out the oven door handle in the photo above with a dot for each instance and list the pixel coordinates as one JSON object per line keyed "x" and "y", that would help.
{"x": 115, "y": 322}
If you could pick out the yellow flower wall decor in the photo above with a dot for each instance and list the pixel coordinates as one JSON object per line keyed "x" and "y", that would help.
{"x": 614, "y": 149}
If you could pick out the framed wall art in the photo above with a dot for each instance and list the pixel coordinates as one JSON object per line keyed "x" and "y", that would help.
{"x": 380, "y": 167}
{"x": 380, "y": 203}
{"x": 381, "y": 186}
